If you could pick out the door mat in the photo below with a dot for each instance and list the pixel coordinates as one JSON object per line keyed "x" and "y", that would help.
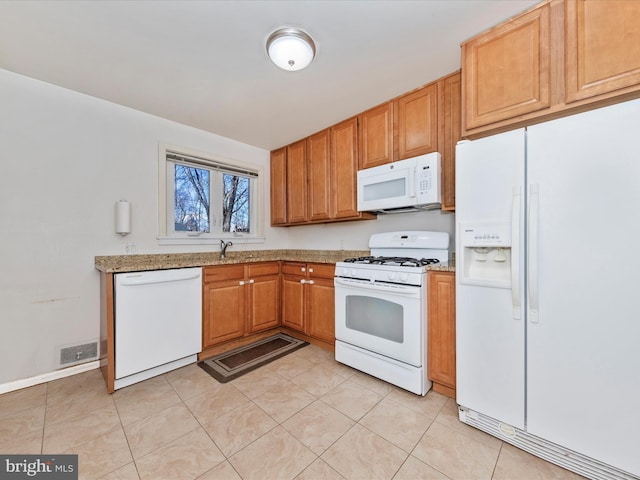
{"x": 241, "y": 360}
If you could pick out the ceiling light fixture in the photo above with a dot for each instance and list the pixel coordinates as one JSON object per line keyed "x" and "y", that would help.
{"x": 290, "y": 48}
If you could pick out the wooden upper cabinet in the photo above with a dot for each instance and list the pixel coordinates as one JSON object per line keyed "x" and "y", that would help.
{"x": 602, "y": 47}
{"x": 344, "y": 167}
{"x": 506, "y": 71}
{"x": 451, "y": 131}
{"x": 319, "y": 167}
{"x": 297, "y": 182}
{"x": 417, "y": 122}
{"x": 375, "y": 130}
{"x": 279, "y": 186}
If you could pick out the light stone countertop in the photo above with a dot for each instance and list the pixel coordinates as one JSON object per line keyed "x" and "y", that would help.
{"x": 163, "y": 261}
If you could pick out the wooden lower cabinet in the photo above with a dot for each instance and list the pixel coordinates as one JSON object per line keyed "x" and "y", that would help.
{"x": 293, "y": 311}
{"x": 321, "y": 309}
{"x": 308, "y": 299}
{"x": 441, "y": 328}
{"x": 224, "y": 307}
{"x": 239, "y": 300}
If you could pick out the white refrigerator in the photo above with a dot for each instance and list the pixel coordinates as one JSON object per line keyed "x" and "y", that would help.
{"x": 548, "y": 289}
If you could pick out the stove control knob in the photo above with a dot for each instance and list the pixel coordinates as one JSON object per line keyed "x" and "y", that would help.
{"x": 392, "y": 276}
{"x": 404, "y": 277}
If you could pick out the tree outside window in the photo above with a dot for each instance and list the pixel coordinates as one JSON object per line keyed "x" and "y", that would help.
{"x": 192, "y": 208}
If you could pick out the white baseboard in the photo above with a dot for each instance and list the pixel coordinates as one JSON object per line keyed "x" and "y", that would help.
{"x": 48, "y": 377}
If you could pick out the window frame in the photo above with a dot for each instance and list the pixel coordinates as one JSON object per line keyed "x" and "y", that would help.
{"x": 166, "y": 233}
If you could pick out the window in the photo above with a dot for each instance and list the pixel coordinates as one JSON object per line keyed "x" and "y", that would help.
{"x": 203, "y": 199}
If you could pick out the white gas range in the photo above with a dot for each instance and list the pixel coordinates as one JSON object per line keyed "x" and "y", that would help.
{"x": 381, "y": 307}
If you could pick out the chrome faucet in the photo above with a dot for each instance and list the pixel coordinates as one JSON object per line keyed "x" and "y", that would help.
{"x": 223, "y": 247}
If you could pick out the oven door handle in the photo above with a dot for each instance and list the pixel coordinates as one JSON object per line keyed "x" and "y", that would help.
{"x": 398, "y": 290}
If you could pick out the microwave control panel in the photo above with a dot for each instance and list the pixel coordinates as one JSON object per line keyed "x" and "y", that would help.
{"x": 427, "y": 178}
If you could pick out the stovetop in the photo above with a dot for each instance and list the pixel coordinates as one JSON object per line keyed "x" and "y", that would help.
{"x": 392, "y": 261}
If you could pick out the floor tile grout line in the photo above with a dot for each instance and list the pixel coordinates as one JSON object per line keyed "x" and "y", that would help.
{"x": 126, "y": 438}
{"x": 44, "y": 420}
{"x": 495, "y": 466}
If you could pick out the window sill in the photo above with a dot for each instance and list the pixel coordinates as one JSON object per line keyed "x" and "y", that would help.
{"x": 208, "y": 240}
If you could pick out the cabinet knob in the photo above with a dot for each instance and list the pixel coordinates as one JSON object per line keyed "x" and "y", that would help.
{"x": 311, "y": 270}
{"x": 303, "y": 269}
{"x": 303, "y": 281}
{"x": 311, "y": 282}
{"x": 252, "y": 281}
{"x": 241, "y": 282}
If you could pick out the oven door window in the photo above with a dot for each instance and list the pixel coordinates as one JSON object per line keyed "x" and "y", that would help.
{"x": 375, "y": 316}
{"x": 389, "y": 323}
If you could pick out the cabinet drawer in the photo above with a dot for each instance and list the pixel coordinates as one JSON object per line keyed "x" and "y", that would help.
{"x": 293, "y": 268}
{"x": 321, "y": 270}
{"x": 223, "y": 272}
{"x": 259, "y": 269}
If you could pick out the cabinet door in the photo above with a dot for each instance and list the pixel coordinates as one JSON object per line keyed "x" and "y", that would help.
{"x": 224, "y": 311}
{"x": 297, "y": 182}
{"x": 293, "y": 310}
{"x": 321, "y": 309}
{"x": 344, "y": 166}
{"x": 264, "y": 303}
{"x": 451, "y": 94}
{"x": 506, "y": 71}
{"x": 441, "y": 323}
{"x": 318, "y": 163}
{"x": 418, "y": 122}
{"x": 279, "y": 187}
{"x": 602, "y": 47}
{"x": 376, "y": 136}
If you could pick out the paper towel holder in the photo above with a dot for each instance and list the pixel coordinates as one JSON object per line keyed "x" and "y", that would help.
{"x": 123, "y": 217}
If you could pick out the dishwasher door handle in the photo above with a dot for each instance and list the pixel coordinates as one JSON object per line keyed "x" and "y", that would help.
{"x": 134, "y": 280}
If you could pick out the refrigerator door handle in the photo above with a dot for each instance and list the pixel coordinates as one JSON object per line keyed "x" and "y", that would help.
{"x": 534, "y": 203}
{"x": 515, "y": 252}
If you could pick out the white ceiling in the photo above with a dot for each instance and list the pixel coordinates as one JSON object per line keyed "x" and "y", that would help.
{"x": 203, "y": 63}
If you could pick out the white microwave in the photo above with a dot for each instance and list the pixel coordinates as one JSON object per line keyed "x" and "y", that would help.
{"x": 403, "y": 186}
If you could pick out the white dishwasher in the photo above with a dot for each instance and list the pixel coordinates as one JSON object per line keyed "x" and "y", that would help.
{"x": 158, "y": 322}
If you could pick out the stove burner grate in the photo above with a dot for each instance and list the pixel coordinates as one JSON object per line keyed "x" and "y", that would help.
{"x": 399, "y": 261}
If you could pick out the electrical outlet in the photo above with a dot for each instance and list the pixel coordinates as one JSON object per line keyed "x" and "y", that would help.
{"x": 130, "y": 248}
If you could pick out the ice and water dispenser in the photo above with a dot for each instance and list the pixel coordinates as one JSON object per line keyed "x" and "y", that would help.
{"x": 485, "y": 254}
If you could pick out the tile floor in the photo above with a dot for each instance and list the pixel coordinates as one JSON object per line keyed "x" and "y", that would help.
{"x": 302, "y": 417}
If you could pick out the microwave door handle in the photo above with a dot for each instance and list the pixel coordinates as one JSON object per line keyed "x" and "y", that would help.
{"x": 412, "y": 182}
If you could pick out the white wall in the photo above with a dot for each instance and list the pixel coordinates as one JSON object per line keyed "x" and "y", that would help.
{"x": 66, "y": 159}
{"x": 355, "y": 235}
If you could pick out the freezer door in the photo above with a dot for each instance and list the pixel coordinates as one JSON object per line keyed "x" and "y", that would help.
{"x": 583, "y": 390}
{"x": 490, "y": 371}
